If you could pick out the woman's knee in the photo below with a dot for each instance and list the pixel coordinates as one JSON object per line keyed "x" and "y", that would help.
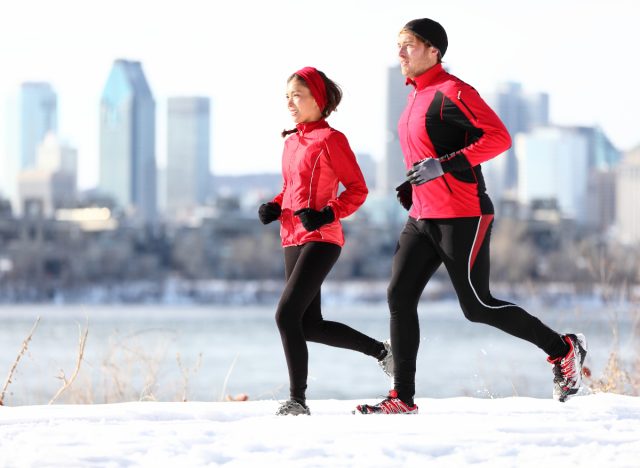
{"x": 285, "y": 318}
{"x": 313, "y": 331}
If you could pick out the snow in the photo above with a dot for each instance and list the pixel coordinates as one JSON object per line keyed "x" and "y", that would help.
{"x": 598, "y": 430}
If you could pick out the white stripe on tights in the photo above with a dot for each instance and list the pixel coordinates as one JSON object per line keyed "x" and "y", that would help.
{"x": 469, "y": 272}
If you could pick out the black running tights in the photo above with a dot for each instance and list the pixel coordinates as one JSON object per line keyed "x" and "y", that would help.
{"x": 299, "y": 318}
{"x": 462, "y": 244}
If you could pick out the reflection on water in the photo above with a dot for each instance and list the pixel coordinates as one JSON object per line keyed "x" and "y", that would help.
{"x": 169, "y": 353}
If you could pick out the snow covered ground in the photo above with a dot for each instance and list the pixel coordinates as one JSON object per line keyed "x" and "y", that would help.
{"x": 600, "y": 430}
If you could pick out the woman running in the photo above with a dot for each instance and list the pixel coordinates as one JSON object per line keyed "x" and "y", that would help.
{"x": 315, "y": 160}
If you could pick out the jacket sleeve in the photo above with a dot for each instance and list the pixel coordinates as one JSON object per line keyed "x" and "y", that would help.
{"x": 487, "y": 135}
{"x": 278, "y": 198}
{"x": 346, "y": 168}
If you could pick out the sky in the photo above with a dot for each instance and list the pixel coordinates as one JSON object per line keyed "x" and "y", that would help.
{"x": 600, "y": 430}
{"x": 240, "y": 53}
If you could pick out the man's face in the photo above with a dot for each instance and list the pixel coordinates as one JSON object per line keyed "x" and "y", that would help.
{"x": 415, "y": 56}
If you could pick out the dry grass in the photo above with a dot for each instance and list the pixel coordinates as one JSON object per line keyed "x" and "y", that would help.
{"x": 23, "y": 350}
{"x": 620, "y": 375}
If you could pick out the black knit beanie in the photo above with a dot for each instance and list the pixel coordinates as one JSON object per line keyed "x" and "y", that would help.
{"x": 430, "y": 31}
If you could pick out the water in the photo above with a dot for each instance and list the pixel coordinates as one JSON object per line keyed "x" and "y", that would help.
{"x": 171, "y": 353}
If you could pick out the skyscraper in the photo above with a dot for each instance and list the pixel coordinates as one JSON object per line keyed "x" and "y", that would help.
{"x": 39, "y": 115}
{"x": 188, "y": 150}
{"x": 520, "y": 112}
{"x": 392, "y": 170}
{"x": 553, "y": 163}
{"x": 51, "y": 183}
{"x": 627, "y": 196}
{"x": 127, "y": 140}
{"x": 32, "y": 115}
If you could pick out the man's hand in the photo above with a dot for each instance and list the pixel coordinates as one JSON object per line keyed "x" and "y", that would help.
{"x": 405, "y": 195}
{"x": 312, "y": 219}
{"x": 424, "y": 171}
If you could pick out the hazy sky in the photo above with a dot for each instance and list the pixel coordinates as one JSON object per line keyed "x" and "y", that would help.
{"x": 582, "y": 52}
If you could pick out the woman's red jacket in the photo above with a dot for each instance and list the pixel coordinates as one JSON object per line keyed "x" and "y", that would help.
{"x": 314, "y": 161}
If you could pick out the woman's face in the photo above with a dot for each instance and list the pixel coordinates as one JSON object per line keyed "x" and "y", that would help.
{"x": 300, "y": 102}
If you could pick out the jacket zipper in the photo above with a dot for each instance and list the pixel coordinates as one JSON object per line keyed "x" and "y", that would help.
{"x": 291, "y": 220}
{"x": 446, "y": 183}
{"x": 465, "y": 105}
{"x": 415, "y": 93}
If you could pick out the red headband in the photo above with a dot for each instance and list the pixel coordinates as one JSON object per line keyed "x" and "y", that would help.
{"x": 316, "y": 85}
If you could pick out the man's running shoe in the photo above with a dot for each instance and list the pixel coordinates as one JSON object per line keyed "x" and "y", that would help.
{"x": 386, "y": 363}
{"x": 293, "y": 408}
{"x": 390, "y": 405}
{"x": 567, "y": 370}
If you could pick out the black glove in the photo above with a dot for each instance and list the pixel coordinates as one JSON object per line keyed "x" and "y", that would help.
{"x": 404, "y": 195}
{"x": 424, "y": 171}
{"x": 312, "y": 219}
{"x": 269, "y": 212}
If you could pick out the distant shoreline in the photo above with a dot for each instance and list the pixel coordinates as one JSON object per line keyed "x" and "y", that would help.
{"x": 256, "y": 292}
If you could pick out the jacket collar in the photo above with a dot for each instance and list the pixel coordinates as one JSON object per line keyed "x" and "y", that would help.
{"x": 306, "y": 127}
{"x": 424, "y": 80}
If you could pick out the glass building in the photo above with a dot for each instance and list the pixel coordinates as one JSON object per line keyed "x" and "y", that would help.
{"x": 188, "y": 150}
{"x": 33, "y": 113}
{"x": 127, "y": 141}
{"x": 39, "y": 115}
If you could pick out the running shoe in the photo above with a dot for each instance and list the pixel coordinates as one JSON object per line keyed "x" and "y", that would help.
{"x": 390, "y": 405}
{"x": 292, "y": 408}
{"x": 567, "y": 370}
{"x": 386, "y": 363}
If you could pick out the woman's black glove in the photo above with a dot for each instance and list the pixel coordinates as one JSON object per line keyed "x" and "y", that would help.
{"x": 404, "y": 195}
{"x": 269, "y": 212}
{"x": 312, "y": 219}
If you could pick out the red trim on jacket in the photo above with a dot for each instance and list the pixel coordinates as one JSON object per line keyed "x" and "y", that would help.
{"x": 446, "y": 118}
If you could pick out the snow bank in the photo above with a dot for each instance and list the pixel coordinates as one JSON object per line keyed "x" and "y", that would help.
{"x": 594, "y": 430}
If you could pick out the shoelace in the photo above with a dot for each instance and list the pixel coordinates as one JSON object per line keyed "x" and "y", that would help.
{"x": 568, "y": 367}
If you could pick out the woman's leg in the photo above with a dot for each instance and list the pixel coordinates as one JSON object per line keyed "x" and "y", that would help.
{"x": 306, "y": 267}
{"x": 319, "y": 330}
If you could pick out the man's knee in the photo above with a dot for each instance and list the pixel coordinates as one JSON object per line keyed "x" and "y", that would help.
{"x": 474, "y": 312}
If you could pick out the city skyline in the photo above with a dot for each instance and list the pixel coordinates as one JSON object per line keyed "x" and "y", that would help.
{"x": 241, "y": 62}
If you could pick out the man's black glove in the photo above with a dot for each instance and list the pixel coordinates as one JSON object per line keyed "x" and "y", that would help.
{"x": 424, "y": 171}
{"x": 404, "y": 195}
{"x": 312, "y": 219}
{"x": 269, "y": 212}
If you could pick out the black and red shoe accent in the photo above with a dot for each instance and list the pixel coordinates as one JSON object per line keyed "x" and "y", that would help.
{"x": 567, "y": 370}
{"x": 390, "y": 405}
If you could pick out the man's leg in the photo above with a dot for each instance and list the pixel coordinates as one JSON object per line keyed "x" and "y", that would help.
{"x": 465, "y": 249}
{"x": 414, "y": 262}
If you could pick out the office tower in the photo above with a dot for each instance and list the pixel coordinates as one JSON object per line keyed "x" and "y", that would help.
{"x": 38, "y": 116}
{"x": 603, "y": 159}
{"x": 51, "y": 183}
{"x": 32, "y": 114}
{"x": 553, "y": 164}
{"x": 127, "y": 141}
{"x": 392, "y": 169}
{"x": 520, "y": 112}
{"x": 188, "y": 150}
{"x": 369, "y": 169}
{"x": 627, "y": 196}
